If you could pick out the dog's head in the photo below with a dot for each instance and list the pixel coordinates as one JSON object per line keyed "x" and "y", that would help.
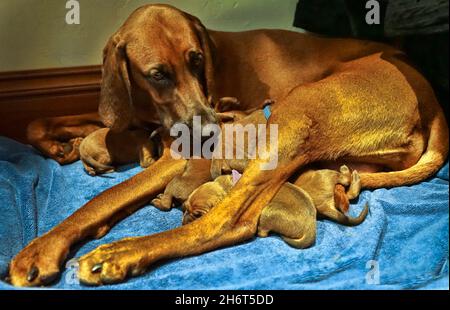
{"x": 158, "y": 67}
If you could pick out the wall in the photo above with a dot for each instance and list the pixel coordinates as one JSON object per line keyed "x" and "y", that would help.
{"x": 34, "y": 34}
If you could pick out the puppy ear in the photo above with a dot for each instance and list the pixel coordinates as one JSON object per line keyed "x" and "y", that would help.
{"x": 209, "y": 51}
{"x": 115, "y": 106}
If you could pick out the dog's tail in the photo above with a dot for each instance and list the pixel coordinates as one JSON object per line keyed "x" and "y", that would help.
{"x": 95, "y": 166}
{"x": 429, "y": 164}
{"x": 343, "y": 219}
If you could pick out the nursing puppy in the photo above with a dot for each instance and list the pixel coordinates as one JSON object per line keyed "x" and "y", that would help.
{"x": 101, "y": 152}
{"x": 223, "y": 164}
{"x": 292, "y": 212}
{"x": 196, "y": 173}
{"x": 324, "y": 188}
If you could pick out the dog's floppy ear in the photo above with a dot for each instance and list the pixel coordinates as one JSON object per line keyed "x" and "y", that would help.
{"x": 209, "y": 51}
{"x": 115, "y": 106}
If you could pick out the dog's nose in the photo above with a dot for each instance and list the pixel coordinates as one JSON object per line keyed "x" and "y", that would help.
{"x": 201, "y": 118}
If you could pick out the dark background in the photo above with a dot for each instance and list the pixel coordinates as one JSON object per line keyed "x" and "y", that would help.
{"x": 418, "y": 27}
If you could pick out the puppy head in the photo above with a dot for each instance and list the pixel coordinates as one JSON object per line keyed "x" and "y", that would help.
{"x": 158, "y": 66}
{"x": 206, "y": 197}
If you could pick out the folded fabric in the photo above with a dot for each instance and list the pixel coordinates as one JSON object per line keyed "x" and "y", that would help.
{"x": 403, "y": 244}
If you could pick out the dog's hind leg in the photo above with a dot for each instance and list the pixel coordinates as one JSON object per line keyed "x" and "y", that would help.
{"x": 55, "y": 137}
{"x": 431, "y": 152}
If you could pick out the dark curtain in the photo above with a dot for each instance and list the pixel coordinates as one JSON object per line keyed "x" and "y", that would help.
{"x": 420, "y": 28}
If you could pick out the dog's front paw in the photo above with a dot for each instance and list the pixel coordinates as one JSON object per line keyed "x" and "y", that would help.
{"x": 38, "y": 263}
{"x": 112, "y": 263}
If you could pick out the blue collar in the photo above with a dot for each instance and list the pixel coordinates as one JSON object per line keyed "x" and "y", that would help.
{"x": 267, "y": 112}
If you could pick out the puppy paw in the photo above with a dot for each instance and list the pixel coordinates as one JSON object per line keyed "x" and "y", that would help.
{"x": 344, "y": 170}
{"x": 355, "y": 186}
{"x": 65, "y": 152}
{"x": 162, "y": 202}
{"x": 91, "y": 171}
{"x": 345, "y": 176}
{"x": 263, "y": 233}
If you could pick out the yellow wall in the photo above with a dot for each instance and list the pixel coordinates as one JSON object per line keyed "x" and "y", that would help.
{"x": 34, "y": 34}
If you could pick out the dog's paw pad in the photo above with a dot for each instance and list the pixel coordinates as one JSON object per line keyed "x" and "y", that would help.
{"x": 356, "y": 177}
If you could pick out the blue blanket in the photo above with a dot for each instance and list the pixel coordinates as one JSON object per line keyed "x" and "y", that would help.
{"x": 403, "y": 244}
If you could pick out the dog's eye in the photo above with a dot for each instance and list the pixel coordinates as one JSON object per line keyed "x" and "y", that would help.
{"x": 198, "y": 213}
{"x": 157, "y": 76}
{"x": 196, "y": 59}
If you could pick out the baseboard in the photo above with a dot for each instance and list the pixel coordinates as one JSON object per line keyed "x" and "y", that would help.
{"x": 28, "y": 95}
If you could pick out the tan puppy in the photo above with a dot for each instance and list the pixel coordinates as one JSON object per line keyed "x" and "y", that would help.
{"x": 321, "y": 185}
{"x": 292, "y": 215}
{"x": 292, "y": 212}
{"x": 220, "y": 165}
{"x": 196, "y": 173}
{"x": 101, "y": 151}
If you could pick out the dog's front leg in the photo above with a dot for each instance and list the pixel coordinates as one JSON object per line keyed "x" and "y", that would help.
{"x": 228, "y": 223}
{"x": 234, "y": 220}
{"x": 40, "y": 261}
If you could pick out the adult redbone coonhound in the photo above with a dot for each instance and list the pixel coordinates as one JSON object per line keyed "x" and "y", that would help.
{"x": 335, "y": 100}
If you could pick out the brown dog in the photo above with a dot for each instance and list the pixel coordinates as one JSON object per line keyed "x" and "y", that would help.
{"x": 292, "y": 212}
{"x": 335, "y": 100}
{"x": 100, "y": 152}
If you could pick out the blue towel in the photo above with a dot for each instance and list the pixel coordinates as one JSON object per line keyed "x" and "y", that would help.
{"x": 403, "y": 244}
